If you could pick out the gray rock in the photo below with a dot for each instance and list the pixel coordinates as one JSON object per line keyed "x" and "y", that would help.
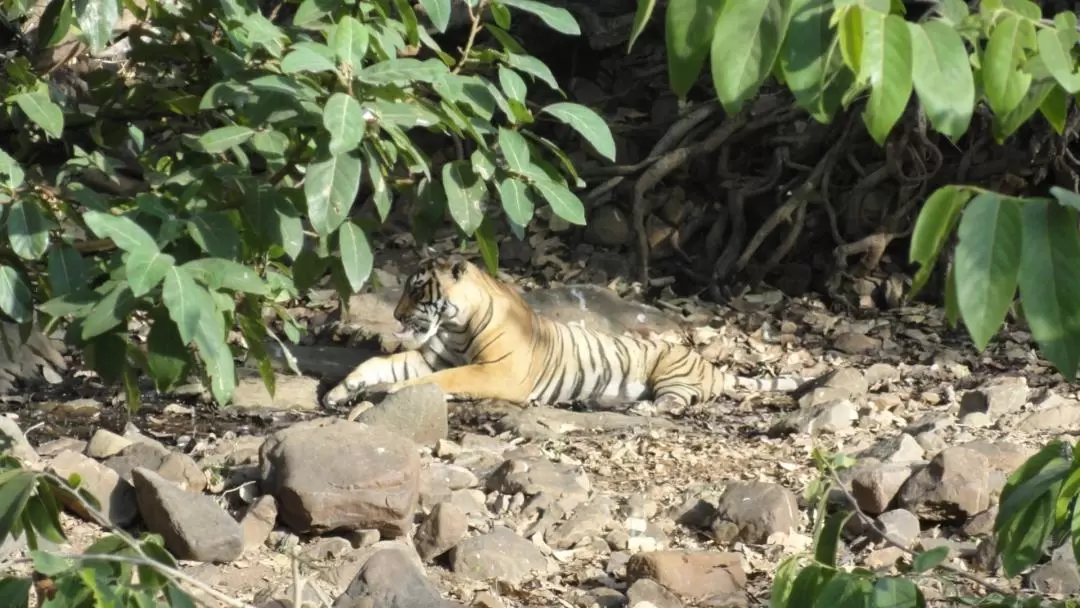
{"x": 12, "y": 441}
{"x": 442, "y": 529}
{"x": 390, "y": 579}
{"x": 542, "y": 422}
{"x": 116, "y": 496}
{"x": 587, "y": 521}
{"x": 648, "y": 590}
{"x": 416, "y": 412}
{"x": 178, "y": 468}
{"x": 291, "y": 392}
{"x": 754, "y": 511}
{"x": 1054, "y": 414}
{"x": 875, "y": 485}
{"x": 567, "y": 484}
{"x": 954, "y": 486}
{"x": 258, "y": 522}
{"x": 1058, "y": 577}
{"x": 819, "y": 417}
{"x": 1000, "y": 397}
{"x": 499, "y": 554}
{"x": 105, "y": 443}
{"x": 331, "y": 474}
{"x": 193, "y": 525}
{"x": 901, "y": 525}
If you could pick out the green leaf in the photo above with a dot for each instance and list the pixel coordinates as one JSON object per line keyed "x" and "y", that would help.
{"x": 513, "y": 85}
{"x": 350, "y": 39}
{"x": 515, "y": 150}
{"x": 464, "y": 195}
{"x": 304, "y": 59}
{"x": 987, "y": 263}
{"x": 586, "y": 122}
{"x": 928, "y": 560}
{"x": 487, "y": 241}
{"x": 27, "y": 230}
{"x": 1003, "y": 80}
{"x": 330, "y": 186}
{"x": 515, "y": 200}
{"x": 1055, "y": 46}
{"x": 1049, "y": 281}
{"x": 167, "y": 359}
{"x": 641, "y": 19}
{"x": 67, "y": 270}
{"x": 146, "y": 268}
{"x": 96, "y": 20}
{"x": 1074, "y": 528}
{"x": 357, "y": 258}
{"x": 844, "y": 591}
{"x": 1021, "y": 539}
{"x": 15, "y": 297}
{"x": 11, "y": 171}
{"x": 15, "y": 592}
{"x": 534, "y": 67}
{"x": 222, "y": 138}
{"x": 558, "y": 19}
{"x": 49, "y": 564}
{"x": 218, "y": 273}
{"x": 215, "y": 234}
{"x": 828, "y": 539}
{"x": 109, "y": 312}
{"x": 402, "y": 71}
{"x": 932, "y": 228}
{"x": 690, "y": 25}
{"x": 55, "y": 24}
{"x": 310, "y": 11}
{"x": 783, "y": 581}
{"x": 344, "y": 120}
{"x": 563, "y": 202}
{"x": 942, "y": 77}
{"x": 895, "y": 592}
{"x": 123, "y": 231}
{"x": 15, "y": 492}
{"x": 745, "y": 44}
{"x": 886, "y": 65}
{"x": 1055, "y": 108}
{"x": 190, "y": 306}
{"x": 42, "y": 111}
{"x": 811, "y": 61}
{"x": 439, "y": 13}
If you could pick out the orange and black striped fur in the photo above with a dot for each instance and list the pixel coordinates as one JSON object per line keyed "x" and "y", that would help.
{"x": 476, "y": 338}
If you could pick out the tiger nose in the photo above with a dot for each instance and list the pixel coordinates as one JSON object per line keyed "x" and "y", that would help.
{"x": 399, "y": 313}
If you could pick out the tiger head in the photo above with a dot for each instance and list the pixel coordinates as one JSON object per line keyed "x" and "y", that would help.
{"x": 431, "y": 296}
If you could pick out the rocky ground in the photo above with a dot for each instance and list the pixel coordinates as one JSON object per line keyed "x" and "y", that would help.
{"x": 416, "y": 502}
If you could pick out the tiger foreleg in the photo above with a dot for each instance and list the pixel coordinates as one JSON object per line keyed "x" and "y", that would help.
{"x": 476, "y": 381}
{"x": 391, "y": 370}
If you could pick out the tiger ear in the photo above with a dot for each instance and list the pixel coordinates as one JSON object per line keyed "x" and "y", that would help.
{"x": 457, "y": 269}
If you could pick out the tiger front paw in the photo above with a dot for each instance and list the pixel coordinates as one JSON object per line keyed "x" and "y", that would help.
{"x": 344, "y": 392}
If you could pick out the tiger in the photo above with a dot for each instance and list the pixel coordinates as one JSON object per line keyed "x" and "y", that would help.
{"x": 475, "y": 337}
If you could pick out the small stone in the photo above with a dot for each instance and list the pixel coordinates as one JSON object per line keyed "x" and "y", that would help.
{"x": 885, "y": 557}
{"x": 291, "y": 392}
{"x": 901, "y": 525}
{"x": 954, "y": 486}
{"x": 757, "y": 510}
{"x": 13, "y": 441}
{"x": 1000, "y": 397}
{"x": 328, "y": 547}
{"x": 499, "y": 554}
{"x": 105, "y": 443}
{"x": 694, "y": 574}
{"x": 587, "y": 521}
{"x": 648, "y": 590}
{"x": 390, "y": 579}
{"x": 442, "y": 529}
{"x": 178, "y": 468}
{"x": 875, "y": 485}
{"x": 259, "y": 521}
{"x": 855, "y": 343}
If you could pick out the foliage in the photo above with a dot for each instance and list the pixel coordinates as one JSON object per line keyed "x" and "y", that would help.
{"x": 1038, "y": 508}
{"x": 249, "y": 137}
{"x": 116, "y": 571}
{"x": 951, "y": 59}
